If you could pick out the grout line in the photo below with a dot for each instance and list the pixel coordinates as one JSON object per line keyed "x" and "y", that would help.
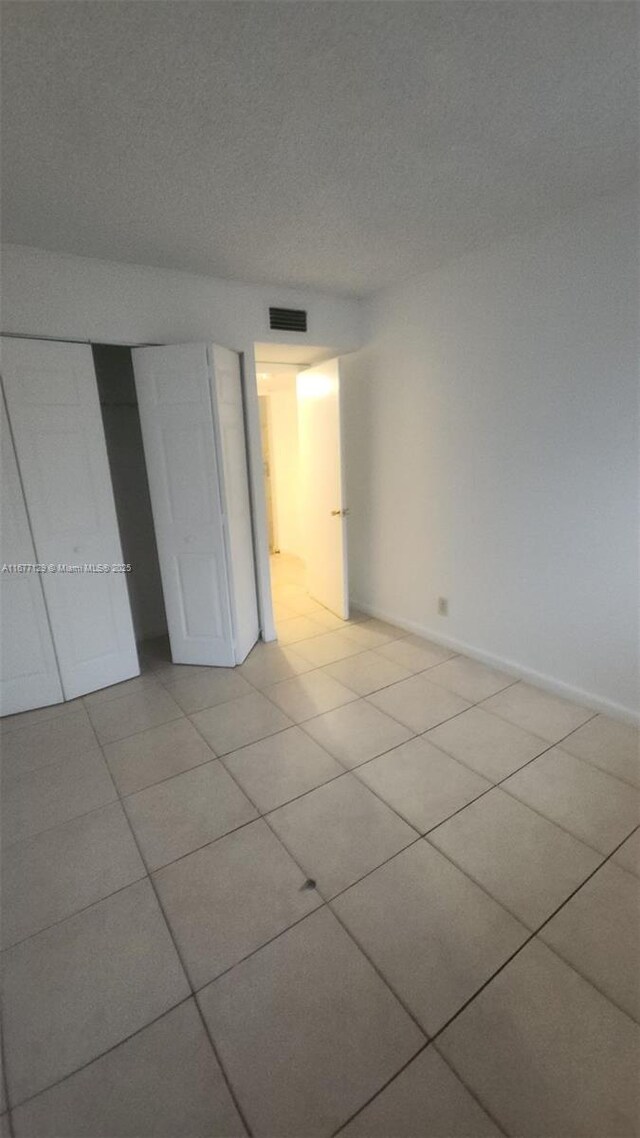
{"x": 288, "y": 801}
{"x": 366, "y": 699}
{"x": 323, "y": 902}
{"x": 121, "y": 797}
{"x": 405, "y": 1007}
{"x": 347, "y": 770}
{"x": 187, "y": 977}
{"x": 532, "y": 936}
{"x": 168, "y": 778}
{"x": 327, "y": 905}
{"x": 358, "y": 880}
{"x": 5, "y": 1082}
{"x": 408, "y": 1063}
{"x": 423, "y": 833}
{"x": 583, "y": 841}
{"x": 484, "y": 888}
{"x": 384, "y": 1086}
{"x": 123, "y": 738}
{"x": 474, "y": 770}
{"x": 322, "y": 668}
{"x": 11, "y": 781}
{"x": 57, "y": 825}
{"x": 493, "y": 786}
{"x": 254, "y": 951}
{"x": 484, "y": 1107}
{"x": 534, "y": 810}
{"x": 475, "y": 702}
{"x": 603, "y": 770}
{"x": 425, "y": 836}
{"x": 204, "y": 845}
{"x": 363, "y": 762}
{"x": 592, "y": 714}
{"x": 448, "y": 719}
{"x": 260, "y": 816}
{"x": 148, "y": 876}
{"x": 96, "y": 1058}
{"x": 68, "y": 712}
{"x": 89, "y": 700}
{"x": 588, "y": 762}
{"x": 557, "y": 952}
{"x": 76, "y": 912}
{"x": 384, "y": 980}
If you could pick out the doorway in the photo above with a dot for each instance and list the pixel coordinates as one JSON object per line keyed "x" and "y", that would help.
{"x": 302, "y": 469}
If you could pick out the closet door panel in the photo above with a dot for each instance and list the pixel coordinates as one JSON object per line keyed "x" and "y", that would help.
{"x": 29, "y": 674}
{"x": 229, "y": 409}
{"x": 174, "y": 400}
{"x": 57, "y": 426}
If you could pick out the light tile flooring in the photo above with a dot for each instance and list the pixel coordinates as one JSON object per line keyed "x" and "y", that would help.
{"x": 358, "y": 885}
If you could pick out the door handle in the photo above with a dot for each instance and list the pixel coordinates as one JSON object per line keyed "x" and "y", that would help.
{"x": 339, "y": 513}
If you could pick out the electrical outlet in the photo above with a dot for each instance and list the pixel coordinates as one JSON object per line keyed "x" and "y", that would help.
{"x": 443, "y": 606}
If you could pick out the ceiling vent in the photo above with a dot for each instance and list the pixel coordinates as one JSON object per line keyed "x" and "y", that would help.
{"x": 288, "y": 319}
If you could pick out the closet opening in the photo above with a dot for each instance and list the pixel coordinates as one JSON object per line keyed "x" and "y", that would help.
{"x": 123, "y": 435}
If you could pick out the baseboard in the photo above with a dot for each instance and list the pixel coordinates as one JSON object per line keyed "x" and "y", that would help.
{"x": 511, "y": 667}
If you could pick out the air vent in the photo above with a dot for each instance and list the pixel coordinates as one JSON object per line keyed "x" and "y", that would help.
{"x": 288, "y": 319}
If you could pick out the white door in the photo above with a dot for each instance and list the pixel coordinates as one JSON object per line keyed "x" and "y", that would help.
{"x": 229, "y": 412}
{"x": 52, "y": 400}
{"x": 323, "y": 509}
{"x": 29, "y": 674}
{"x": 176, "y": 415}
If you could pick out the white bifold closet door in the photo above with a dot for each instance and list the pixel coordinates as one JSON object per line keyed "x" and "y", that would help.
{"x": 29, "y": 674}
{"x": 190, "y": 404}
{"x": 227, "y": 381}
{"x": 53, "y": 407}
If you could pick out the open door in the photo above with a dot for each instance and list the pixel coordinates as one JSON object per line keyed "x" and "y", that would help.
{"x": 229, "y": 413}
{"x": 197, "y": 494}
{"x": 321, "y": 485}
{"x": 52, "y": 401}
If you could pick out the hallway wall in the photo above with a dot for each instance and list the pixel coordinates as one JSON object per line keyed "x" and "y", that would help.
{"x": 284, "y": 464}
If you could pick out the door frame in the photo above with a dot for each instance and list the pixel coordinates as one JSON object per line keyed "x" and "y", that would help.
{"x": 257, "y": 488}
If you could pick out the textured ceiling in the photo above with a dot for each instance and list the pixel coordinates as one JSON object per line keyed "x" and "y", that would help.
{"x": 338, "y": 145}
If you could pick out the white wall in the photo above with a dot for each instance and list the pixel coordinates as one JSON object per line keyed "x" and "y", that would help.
{"x": 67, "y": 297}
{"x": 492, "y": 450}
{"x": 283, "y": 407}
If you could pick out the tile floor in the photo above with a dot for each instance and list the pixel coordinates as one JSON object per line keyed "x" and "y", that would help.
{"x": 359, "y": 884}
